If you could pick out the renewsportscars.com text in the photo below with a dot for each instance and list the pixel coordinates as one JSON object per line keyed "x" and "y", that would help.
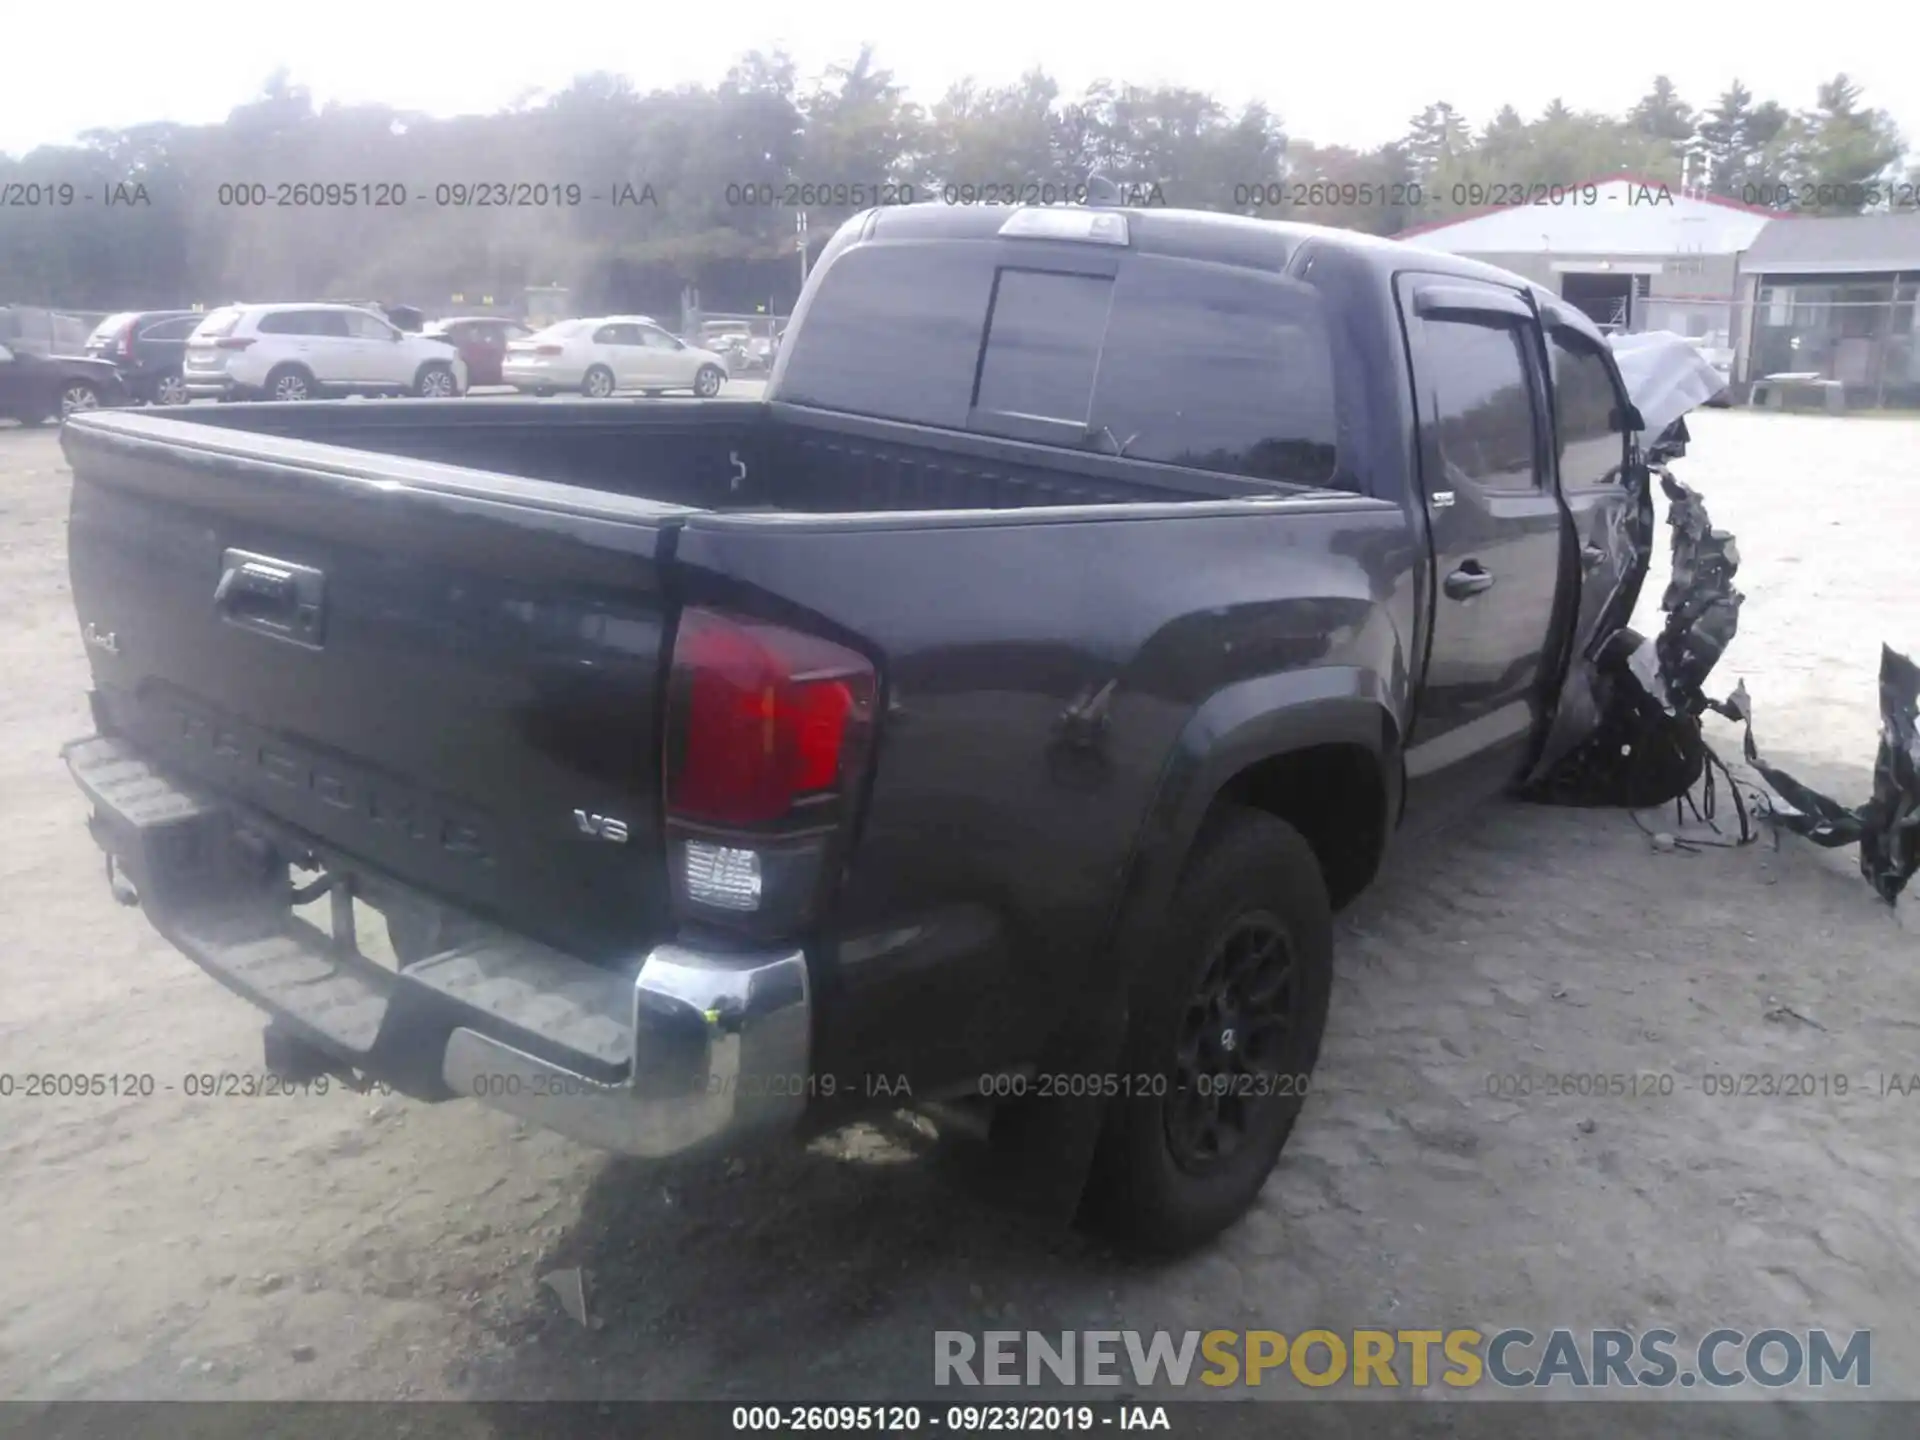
{"x": 1459, "y": 1358}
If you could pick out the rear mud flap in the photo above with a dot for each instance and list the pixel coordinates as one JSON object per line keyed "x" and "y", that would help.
{"x": 1647, "y": 697}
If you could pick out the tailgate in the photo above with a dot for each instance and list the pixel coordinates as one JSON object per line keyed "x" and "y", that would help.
{"x": 451, "y": 676}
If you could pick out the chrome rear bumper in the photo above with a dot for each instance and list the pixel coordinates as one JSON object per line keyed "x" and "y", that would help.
{"x": 720, "y": 1051}
{"x": 689, "y": 1049}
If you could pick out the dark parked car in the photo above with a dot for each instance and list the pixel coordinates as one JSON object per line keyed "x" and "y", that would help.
{"x": 995, "y": 714}
{"x": 149, "y": 347}
{"x": 482, "y": 342}
{"x": 35, "y": 388}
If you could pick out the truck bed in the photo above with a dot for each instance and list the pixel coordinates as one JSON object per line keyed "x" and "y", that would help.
{"x": 734, "y": 454}
{"x": 471, "y": 648}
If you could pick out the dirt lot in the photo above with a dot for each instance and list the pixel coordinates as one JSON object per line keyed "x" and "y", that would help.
{"x": 344, "y": 1247}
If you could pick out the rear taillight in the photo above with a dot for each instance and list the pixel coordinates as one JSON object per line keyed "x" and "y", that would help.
{"x": 768, "y": 730}
{"x": 233, "y": 342}
{"x": 126, "y": 342}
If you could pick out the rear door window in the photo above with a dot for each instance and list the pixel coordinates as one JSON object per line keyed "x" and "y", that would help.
{"x": 330, "y": 323}
{"x": 364, "y": 326}
{"x": 176, "y": 329}
{"x": 1483, "y": 412}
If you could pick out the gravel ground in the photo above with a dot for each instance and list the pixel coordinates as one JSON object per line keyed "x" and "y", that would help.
{"x": 343, "y": 1247}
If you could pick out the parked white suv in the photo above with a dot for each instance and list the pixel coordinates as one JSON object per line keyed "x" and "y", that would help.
{"x": 302, "y": 352}
{"x": 613, "y": 352}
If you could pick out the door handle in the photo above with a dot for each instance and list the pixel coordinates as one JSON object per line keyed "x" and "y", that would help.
{"x": 1469, "y": 580}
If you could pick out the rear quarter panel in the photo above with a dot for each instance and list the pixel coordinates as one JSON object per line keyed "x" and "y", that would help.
{"x": 994, "y": 852}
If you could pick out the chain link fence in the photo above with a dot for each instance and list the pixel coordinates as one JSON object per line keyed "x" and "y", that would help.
{"x": 1861, "y": 335}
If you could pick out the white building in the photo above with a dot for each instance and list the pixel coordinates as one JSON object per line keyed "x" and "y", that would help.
{"x": 1633, "y": 253}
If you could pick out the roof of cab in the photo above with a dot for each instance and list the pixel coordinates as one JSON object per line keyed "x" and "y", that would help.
{"x": 1208, "y": 235}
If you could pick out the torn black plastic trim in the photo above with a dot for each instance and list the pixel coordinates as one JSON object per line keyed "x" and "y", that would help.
{"x": 1647, "y": 698}
{"x": 1887, "y": 826}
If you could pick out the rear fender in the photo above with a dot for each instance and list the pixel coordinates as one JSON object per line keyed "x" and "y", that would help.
{"x": 1240, "y": 726}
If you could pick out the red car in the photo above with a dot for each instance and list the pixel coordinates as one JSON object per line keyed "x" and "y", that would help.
{"x": 481, "y": 341}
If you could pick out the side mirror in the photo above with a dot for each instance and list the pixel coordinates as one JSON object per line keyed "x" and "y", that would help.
{"x": 1629, "y": 419}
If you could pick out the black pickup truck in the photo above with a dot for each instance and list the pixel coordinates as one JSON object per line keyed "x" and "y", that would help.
{"x": 993, "y": 715}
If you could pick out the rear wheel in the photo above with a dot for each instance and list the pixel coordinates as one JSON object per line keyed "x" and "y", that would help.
{"x": 170, "y": 389}
{"x": 289, "y": 382}
{"x": 598, "y": 383}
{"x": 1227, "y": 1018}
{"x": 77, "y": 395}
{"x": 708, "y": 382}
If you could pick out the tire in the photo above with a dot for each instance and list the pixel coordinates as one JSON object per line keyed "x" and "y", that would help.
{"x": 289, "y": 382}
{"x": 170, "y": 388}
{"x": 1233, "y": 1070}
{"x": 708, "y": 382}
{"x": 78, "y": 395}
{"x": 597, "y": 383}
{"x": 436, "y": 382}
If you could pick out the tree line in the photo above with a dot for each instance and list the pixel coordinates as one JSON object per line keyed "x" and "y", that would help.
{"x": 628, "y": 198}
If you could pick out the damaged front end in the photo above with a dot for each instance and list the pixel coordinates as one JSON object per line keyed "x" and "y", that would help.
{"x": 1641, "y": 699}
{"x": 1628, "y": 730}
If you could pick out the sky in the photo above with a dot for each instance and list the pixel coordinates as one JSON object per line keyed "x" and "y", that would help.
{"x": 1348, "y": 74}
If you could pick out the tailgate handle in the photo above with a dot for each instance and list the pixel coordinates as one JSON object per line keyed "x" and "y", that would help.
{"x": 275, "y": 597}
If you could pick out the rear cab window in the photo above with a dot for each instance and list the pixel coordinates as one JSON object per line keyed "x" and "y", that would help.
{"x": 1151, "y": 357}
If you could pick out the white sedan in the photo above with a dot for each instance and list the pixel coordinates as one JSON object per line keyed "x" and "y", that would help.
{"x": 614, "y": 352}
